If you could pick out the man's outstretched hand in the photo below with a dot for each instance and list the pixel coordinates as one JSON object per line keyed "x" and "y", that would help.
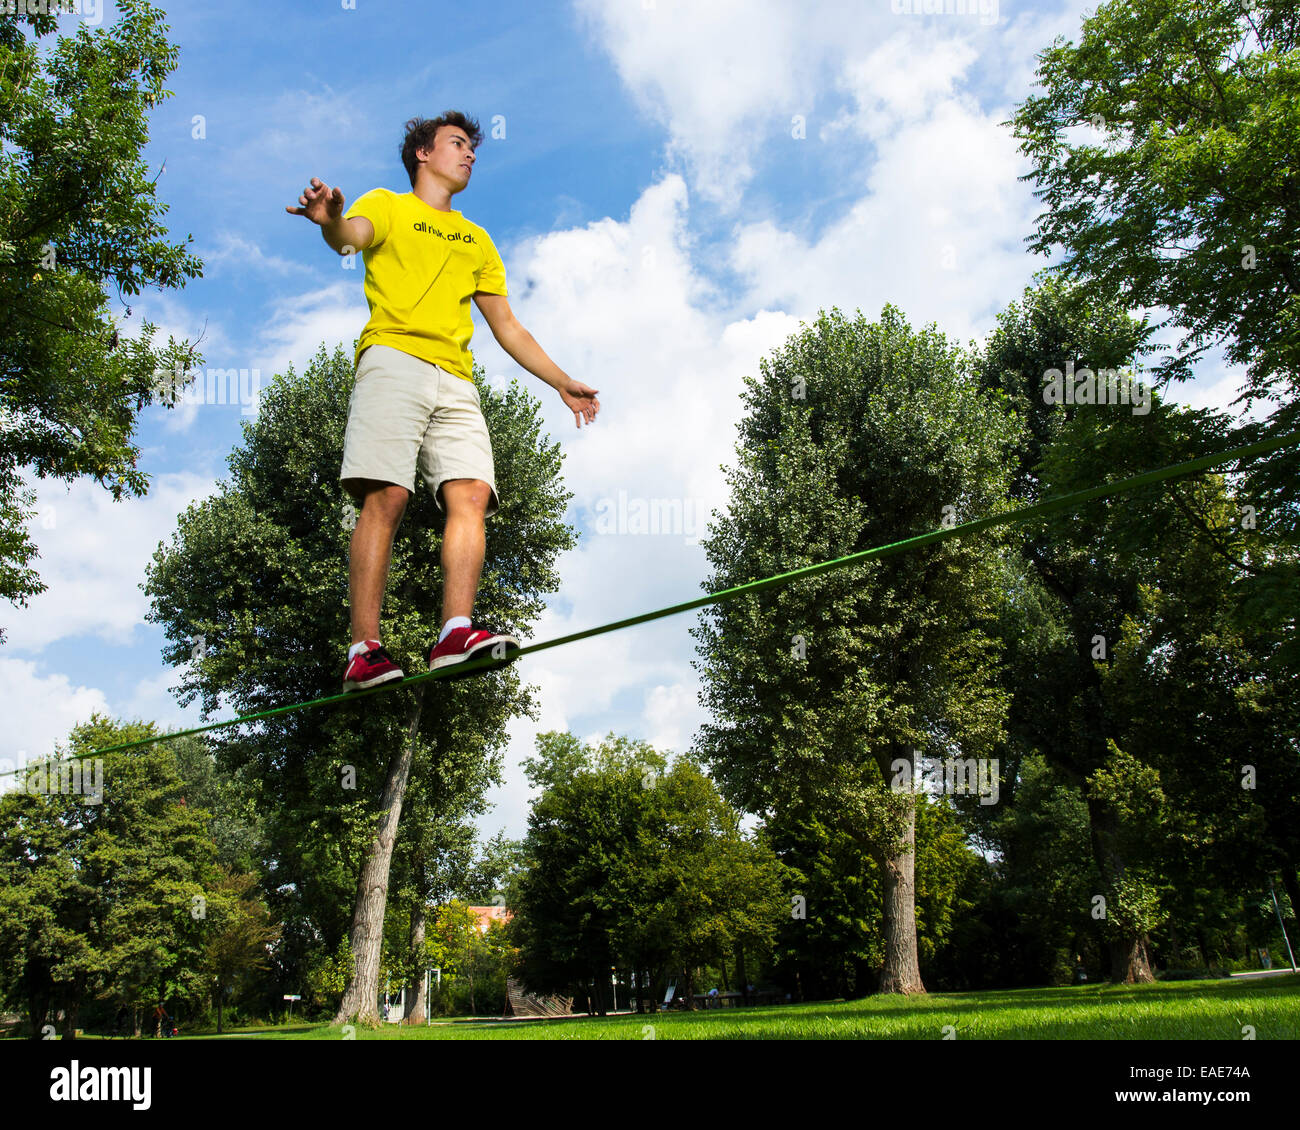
{"x": 581, "y": 401}
{"x": 321, "y": 204}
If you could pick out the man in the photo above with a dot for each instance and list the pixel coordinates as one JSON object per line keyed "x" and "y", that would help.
{"x": 414, "y": 402}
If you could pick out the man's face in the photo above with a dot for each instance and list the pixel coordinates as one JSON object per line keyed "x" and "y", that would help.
{"x": 451, "y": 159}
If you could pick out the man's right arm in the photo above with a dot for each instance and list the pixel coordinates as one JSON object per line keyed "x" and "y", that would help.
{"x": 348, "y": 236}
{"x": 324, "y": 206}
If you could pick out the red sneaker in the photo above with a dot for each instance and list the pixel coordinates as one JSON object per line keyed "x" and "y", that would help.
{"x": 370, "y": 668}
{"x": 471, "y": 643}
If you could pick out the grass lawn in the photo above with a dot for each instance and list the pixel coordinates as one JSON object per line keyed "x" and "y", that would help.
{"x": 1180, "y": 1010}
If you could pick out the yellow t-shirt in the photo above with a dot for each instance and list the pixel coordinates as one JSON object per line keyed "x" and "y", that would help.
{"x": 421, "y": 270}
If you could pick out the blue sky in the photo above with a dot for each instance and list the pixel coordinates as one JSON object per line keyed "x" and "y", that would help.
{"x": 682, "y": 183}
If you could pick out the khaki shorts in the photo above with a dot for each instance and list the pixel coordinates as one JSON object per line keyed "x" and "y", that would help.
{"x": 408, "y": 414}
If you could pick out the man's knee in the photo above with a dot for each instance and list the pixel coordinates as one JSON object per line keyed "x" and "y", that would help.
{"x": 466, "y": 496}
{"x": 386, "y": 501}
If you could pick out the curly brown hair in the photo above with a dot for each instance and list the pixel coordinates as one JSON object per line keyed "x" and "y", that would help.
{"x": 420, "y": 133}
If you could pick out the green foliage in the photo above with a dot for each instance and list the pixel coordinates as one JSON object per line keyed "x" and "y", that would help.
{"x": 78, "y": 211}
{"x": 630, "y": 864}
{"x": 1125, "y": 630}
{"x": 104, "y": 899}
{"x": 856, "y": 435}
{"x": 887, "y": 433}
{"x": 233, "y": 821}
{"x": 240, "y": 933}
{"x": 1181, "y": 198}
{"x": 329, "y": 974}
{"x": 837, "y": 948}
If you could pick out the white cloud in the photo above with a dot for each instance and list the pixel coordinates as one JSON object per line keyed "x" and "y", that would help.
{"x": 935, "y": 226}
{"x": 93, "y": 554}
{"x": 727, "y": 77}
{"x": 721, "y": 76}
{"x": 901, "y": 81}
{"x": 935, "y": 233}
{"x": 332, "y": 314}
{"x": 41, "y": 709}
{"x": 927, "y": 213}
{"x": 620, "y": 306}
{"x": 245, "y": 254}
{"x": 673, "y": 715}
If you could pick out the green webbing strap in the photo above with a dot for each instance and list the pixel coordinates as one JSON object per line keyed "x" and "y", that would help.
{"x": 1039, "y": 509}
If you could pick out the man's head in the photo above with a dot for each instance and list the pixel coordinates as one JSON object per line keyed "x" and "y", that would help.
{"x": 444, "y": 144}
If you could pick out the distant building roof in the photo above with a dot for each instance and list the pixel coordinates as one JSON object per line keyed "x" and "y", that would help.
{"x": 486, "y": 915}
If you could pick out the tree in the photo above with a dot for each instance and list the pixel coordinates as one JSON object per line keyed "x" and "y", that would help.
{"x": 1192, "y": 679}
{"x": 78, "y": 211}
{"x": 582, "y": 831}
{"x": 828, "y": 690}
{"x": 435, "y": 862}
{"x": 253, "y": 596}
{"x": 241, "y": 933}
{"x": 1046, "y": 878}
{"x": 102, "y": 897}
{"x": 1087, "y": 569}
{"x": 628, "y": 865}
{"x": 1186, "y": 195}
{"x": 234, "y": 824}
{"x": 699, "y": 890}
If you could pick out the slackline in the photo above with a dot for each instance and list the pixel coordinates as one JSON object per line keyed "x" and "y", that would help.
{"x": 1038, "y": 509}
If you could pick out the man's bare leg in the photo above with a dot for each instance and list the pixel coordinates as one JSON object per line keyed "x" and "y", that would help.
{"x": 371, "y": 551}
{"x": 464, "y": 543}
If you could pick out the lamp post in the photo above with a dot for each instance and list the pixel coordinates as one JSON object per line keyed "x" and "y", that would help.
{"x": 1278, "y": 911}
{"x": 428, "y": 993}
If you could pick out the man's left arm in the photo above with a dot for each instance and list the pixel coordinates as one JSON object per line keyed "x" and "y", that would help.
{"x": 523, "y": 348}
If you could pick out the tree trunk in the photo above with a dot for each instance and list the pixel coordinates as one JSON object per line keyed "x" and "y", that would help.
{"x": 221, "y": 995}
{"x": 1128, "y": 957}
{"x": 415, "y": 990}
{"x": 1129, "y": 964}
{"x": 37, "y": 1006}
{"x": 902, "y": 970}
{"x": 70, "y": 1011}
{"x": 361, "y": 997}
